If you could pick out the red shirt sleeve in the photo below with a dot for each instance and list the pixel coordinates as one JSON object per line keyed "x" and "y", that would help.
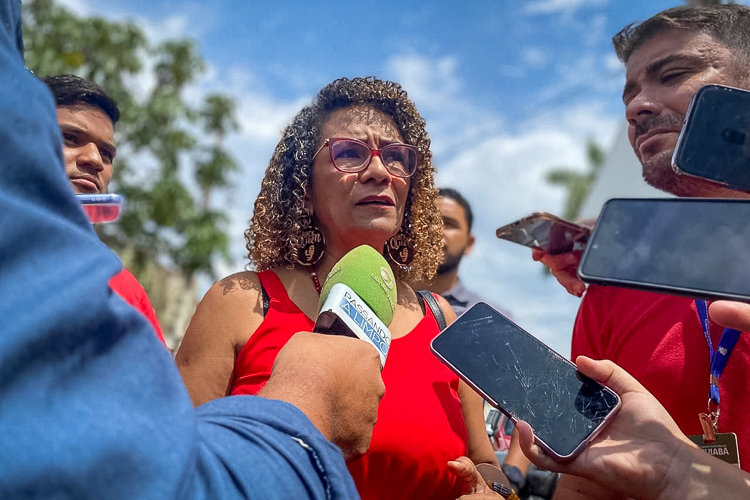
{"x": 127, "y": 287}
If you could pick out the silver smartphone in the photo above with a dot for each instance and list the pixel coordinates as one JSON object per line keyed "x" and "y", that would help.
{"x": 526, "y": 380}
{"x": 714, "y": 143}
{"x": 546, "y": 231}
{"x": 695, "y": 247}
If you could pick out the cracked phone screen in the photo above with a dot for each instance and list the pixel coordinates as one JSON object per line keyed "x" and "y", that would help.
{"x": 525, "y": 378}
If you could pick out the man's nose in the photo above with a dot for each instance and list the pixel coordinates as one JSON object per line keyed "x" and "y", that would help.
{"x": 88, "y": 154}
{"x": 642, "y": 106}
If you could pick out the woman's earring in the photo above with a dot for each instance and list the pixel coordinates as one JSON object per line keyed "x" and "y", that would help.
{"x": 398, "y": 249}
{"x": 313, "y": 245}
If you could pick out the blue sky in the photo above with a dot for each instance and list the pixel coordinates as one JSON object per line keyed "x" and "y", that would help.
{"x": 509, "y": 90}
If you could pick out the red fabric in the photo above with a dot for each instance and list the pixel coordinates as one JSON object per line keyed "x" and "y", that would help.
{"x": 659, "y": 340}
{"x": 420, "y": 424}
{"x": 127, "y": 287}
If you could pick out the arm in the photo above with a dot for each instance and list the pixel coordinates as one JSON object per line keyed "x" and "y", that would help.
{"x": 515, "y": 456}
{"x": 93, "y": 406}
{"x": 642, "y": 453}
{"x": 564, "y": 267}
{"x": 222, "y": 324}
{"x": 480, "y": 448}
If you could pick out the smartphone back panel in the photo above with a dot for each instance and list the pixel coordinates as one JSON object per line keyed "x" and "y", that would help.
{"x": 540, "y": 229}
{"x": 715, "y": 140}
{"x": 696, "y": 247}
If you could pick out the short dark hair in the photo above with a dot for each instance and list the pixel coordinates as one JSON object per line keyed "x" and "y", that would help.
{"x": 71, "y": 90}
{"x": 728, "y": 24}
{"x": 454, "y": 195}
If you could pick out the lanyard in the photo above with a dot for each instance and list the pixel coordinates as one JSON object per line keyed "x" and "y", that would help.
{"x": 719, "y": 358}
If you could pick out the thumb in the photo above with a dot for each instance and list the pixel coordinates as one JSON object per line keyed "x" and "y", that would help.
{"x": 607, "y": 373}
{"x": 467, "y": 473}
{"x": 731, "y": 314}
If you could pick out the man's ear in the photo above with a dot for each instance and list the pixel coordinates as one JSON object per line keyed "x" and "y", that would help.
{"x": 469, "y": 244}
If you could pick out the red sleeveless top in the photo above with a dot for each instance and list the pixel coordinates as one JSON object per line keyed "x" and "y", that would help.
{"x": 420, "y": 425}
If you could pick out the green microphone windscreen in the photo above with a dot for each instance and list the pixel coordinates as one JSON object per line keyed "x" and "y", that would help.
{"x": 367, "y": 273}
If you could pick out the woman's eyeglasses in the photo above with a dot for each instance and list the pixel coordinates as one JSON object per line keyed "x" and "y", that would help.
{"x": 351, "y": 156}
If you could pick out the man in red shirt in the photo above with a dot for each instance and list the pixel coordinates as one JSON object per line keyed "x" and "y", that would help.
{"x": 87, "y": 117}
{"x": 657, "y": 338}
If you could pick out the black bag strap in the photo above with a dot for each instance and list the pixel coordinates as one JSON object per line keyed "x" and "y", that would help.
{"x": 434, "y": 306}
{"x": 266, "y": 300}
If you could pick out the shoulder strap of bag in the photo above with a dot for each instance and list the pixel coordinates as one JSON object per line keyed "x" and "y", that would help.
{"x": 434, "y": 306}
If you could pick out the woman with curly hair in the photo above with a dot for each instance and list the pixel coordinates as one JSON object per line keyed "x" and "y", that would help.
{"x": 353, "y": 168}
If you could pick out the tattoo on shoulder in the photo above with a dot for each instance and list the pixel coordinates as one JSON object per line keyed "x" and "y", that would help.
{"x": 235, "y": 282}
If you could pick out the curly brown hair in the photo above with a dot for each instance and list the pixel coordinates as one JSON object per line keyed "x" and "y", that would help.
{"x": 274, "y": 235}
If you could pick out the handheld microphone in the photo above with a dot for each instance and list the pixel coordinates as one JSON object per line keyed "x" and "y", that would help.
{"x": 358, "y": 299}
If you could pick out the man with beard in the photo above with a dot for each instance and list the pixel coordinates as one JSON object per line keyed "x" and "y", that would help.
{"x": 661, "y": 339}
{"x": 458, "y": 241}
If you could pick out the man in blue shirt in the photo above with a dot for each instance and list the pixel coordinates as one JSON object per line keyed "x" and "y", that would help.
{"x": 90, "y": 405}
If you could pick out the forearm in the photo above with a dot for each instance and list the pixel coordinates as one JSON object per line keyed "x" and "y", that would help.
{"x": 694, "y": 475}
{"x": 263, "y": 449}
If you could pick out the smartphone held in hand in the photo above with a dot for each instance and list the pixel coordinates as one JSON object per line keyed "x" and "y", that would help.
{"x": 715, "y": 140}
{"x": 694, "y": 247}
{"x": 543, "y": 230}
{"x": 526, "y": 380}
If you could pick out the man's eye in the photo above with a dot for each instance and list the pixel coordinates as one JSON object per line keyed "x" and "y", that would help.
{"x": 70, "y": 138}
{"x": 672, "y": 75}
{"x": 107, "y": 155}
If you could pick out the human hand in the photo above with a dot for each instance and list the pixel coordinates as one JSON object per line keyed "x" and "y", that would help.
{"x": 564, "y": 268}
{"x": 335, "y": 381}
{"x": 473, "y": 485}
{"x": 637, "y": 454}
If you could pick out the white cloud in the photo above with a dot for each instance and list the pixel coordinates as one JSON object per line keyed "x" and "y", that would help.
{"x": 175, "y": 26}
{"x": 555, "y": 6}
{"x": 535, "y": 57}
{"x": 429, "y": 81}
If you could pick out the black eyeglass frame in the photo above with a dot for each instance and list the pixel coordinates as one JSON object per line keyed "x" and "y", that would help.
{"x": 373, "y": 152}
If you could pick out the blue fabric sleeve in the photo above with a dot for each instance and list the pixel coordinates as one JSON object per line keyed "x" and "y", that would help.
{"x": 91, "y": 404}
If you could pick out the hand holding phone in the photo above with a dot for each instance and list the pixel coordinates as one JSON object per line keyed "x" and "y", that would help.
{"x": 526, "y": 380}
{"x": 643, "y": 429}
{"x": 543, "y": 230}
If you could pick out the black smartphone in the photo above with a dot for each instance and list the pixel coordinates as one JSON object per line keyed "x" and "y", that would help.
{"x": 715, "y": 140}
{"x": 526, "y": 380}
{"x": 546, "y": 231}
{"x": 696, "y": 247}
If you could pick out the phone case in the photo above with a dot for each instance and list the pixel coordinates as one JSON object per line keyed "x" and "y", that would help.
{"x": 100, "y": 199}
{"x": 714, "y": 143}
{"x": 544, "y": 230}
{"x": 101, "y": 208}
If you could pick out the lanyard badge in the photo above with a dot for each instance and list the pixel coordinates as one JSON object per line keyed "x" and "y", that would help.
{"x": 720, "y": 445}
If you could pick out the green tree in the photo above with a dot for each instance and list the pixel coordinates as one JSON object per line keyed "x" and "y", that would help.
{"x": 171, "y": 154}
{"x": 578, "y": 184}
